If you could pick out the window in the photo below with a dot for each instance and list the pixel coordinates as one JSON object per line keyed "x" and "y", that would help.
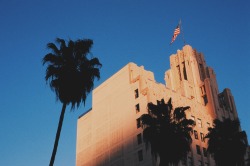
{"x": 136, "y": 93}
{"x": 205, "y": 152}
{"x": 202, "y": 137}
{"x": 137, "y": 108}
{"x": 139, "y": 139}
{"x": 140, "y": 155}
{"x": 179, "y": 72}
{"x": 196, "y": 134}
{"x": 202, "y": 72}
{"x": 205, "y": 99}
{"x": 138, "y": 122}
{"x": 198, "y": 149}
{"x": 184, "y": 70}
{"x": 199, "y": 123}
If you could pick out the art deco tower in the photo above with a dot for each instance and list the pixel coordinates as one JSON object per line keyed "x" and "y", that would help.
{"x": 110, "y": 132}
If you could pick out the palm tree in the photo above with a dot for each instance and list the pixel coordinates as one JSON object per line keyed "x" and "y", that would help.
{"x": 167, "y": 131}
{"x": 227, "y": 143}
{"x": 70, "y": 75}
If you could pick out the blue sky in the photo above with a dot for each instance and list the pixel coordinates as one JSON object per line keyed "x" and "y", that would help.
{"x": 123, "y": 31}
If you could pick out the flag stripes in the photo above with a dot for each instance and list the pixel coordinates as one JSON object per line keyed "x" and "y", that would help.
{"x": 177, "y": 31}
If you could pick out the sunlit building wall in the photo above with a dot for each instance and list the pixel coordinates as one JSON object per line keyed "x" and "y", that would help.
{"x": 110, "y": 132}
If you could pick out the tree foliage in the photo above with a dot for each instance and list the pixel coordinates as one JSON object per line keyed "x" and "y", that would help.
{"x": 71, "y": 75}
{"x": 167, "y": 131}
{"x": 227, "y": 143}
{"x": 70, "y": 72}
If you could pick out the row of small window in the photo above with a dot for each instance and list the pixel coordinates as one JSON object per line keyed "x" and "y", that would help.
{"x": 199, "y": 122}
{"x": 196, "y": 136}
{"x": 204, "y": 150}
{"x": 137, "y": 106}
{"x": 138, "y": 123}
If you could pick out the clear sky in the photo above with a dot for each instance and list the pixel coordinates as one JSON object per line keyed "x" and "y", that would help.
{"x": 123, "y": 31}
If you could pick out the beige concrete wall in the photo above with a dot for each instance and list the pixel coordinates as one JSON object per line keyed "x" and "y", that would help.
{"x": 112, "y": 131}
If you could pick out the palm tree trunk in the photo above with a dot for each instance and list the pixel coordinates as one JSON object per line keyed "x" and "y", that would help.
{"x": 59, "y": 128}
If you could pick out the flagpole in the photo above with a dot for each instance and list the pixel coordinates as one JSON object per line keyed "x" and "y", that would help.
{"x": 182, "y": 33}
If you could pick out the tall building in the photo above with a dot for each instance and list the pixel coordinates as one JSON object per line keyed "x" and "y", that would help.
{"x": 110, "y": 132}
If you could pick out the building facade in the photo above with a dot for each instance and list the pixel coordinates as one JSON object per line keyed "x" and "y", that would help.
{"x": 110, "y": 133}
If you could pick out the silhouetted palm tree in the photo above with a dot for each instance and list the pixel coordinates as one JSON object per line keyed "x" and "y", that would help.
{"x": 227, "y": 143}
{"x": 167, "y": 131}
{"x": 70, "y": 75}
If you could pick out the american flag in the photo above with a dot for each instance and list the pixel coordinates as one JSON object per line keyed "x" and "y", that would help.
{"x": 177, "y": 31}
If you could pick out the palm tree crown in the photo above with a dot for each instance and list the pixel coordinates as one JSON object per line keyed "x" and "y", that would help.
{"x": 227, "y": 143}
{"x": 167, "y": 131}
{"x": 70, "y": 73}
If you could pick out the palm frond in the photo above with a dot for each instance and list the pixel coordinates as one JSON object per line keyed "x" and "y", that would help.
{"x": 153, "y": 109}
{"x": 61, "y": 42}
{"x": 95, "y": 62}
{"x": 147, "y": 120}
{"x": 179, "y": 113}
{"x": 52, "y": 72}
{"x": 170, "y": 104}
{"x": 53, "y": 48}
{"x": 83, "y": 47}
{"x": 52, "y": 59}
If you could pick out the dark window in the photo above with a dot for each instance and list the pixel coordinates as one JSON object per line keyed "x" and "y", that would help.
{"x": 138, "y": 122}
{"x": 205, "y": 99}
{"x": 139, "y": 139}
{"x": 196, "y": 134}
{"x": 137, "y": 108}
{"x": 202, "y": 137}
{"x": 198, "y": 149}
{"x": 205, "y": 152}
{"x": 179, "y": 71}
{"x": 202, "y": 72}
{"x": 140, "y": 155}
{"x": 184, "y": 71}
{"x": 136, "y": 93}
